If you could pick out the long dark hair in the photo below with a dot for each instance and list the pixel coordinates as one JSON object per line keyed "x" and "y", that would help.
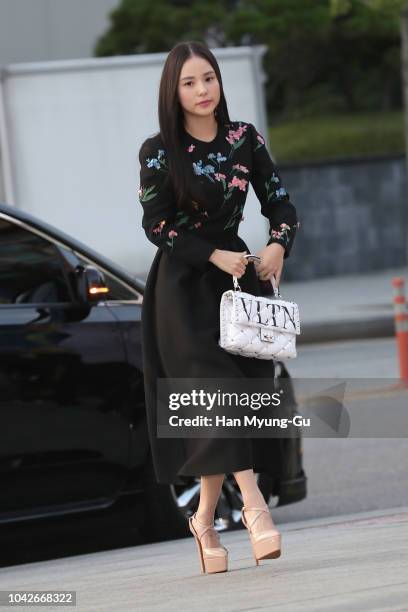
{"x": 171, "y": 114}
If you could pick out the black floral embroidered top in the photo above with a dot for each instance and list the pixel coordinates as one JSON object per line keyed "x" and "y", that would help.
{"x": 223, "y": 169}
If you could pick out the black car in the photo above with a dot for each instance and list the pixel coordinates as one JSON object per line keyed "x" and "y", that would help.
{"x": 74, "y": 434}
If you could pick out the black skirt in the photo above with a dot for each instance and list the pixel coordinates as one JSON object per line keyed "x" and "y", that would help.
{"x": 180, "y": 332}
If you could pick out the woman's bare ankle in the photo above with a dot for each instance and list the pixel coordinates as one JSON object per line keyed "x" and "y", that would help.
{"x": 256, "y": 503}
{"x": 207, "y": 518}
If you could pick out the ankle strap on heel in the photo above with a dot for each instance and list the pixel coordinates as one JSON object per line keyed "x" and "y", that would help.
{"x": 248, "y": 509}
{"x": 201, "y": 523}
{"x": 206, "y": 527}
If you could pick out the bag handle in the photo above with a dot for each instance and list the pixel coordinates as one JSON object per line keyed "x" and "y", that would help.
{"x": 275, "y": 286}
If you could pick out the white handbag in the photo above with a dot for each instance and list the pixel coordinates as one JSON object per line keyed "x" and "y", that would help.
{"x": 258, "y": 326}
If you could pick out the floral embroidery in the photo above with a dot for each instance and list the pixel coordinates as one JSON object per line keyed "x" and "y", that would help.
{"x": 237, "y": 212}
{"x": 275, "y": 194}
{"x": 182, "y": 218}
{"x": 235, "y": 136}
{"x": 171, "y": 234}
{"x": 217, "y": 158}
{"x": 283, "y": 233}
{"x": 158, "y": 162}
{"x": 145, "y": 193}
{"x": 148, "y": 193}
{"x": 236, "y": 139}
{"x": 241, "y": 168}
{"x": 261, "y": 142}
{"x": 191, "y": 148}
{"x": 236, "y": 182}
{"x": 158, "y": 228}
{"x": 206, "y": 170}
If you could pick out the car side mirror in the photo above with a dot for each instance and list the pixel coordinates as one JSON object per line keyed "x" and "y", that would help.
{"x": 91, "y": 285}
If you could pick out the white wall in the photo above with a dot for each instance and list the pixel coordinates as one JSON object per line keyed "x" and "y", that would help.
{"x": 74, "y": 130}
{"x": 41, "y": 30}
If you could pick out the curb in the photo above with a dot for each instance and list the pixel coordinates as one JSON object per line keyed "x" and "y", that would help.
{"x": 330, "y": 331}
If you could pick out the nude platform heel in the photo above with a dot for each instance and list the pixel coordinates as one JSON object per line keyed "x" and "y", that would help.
{"x": 212, "y": 560}
{"x": 266, "y": 544}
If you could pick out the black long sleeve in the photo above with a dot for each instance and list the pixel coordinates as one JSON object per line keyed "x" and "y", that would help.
{"x": 274, "y": 199}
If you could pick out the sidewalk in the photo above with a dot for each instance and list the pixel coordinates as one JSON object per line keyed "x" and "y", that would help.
{"x": 345, "y": 307}
{"x": 355, "y": 562}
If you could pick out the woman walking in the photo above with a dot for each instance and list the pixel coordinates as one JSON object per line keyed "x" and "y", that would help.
{"x": 194, "y": 179}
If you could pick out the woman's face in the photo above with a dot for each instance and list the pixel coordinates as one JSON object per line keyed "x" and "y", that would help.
{"x": 198, "y": 82}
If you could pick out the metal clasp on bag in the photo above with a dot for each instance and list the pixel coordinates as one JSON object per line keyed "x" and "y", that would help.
{"x": 273, "y": 280}
{"x": 267, "y": 335}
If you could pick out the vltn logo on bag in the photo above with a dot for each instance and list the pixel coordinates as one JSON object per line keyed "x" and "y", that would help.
{"x": 270, "y": 315}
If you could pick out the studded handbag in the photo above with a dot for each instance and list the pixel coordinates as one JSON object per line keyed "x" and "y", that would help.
{"x": 258, "y": 326}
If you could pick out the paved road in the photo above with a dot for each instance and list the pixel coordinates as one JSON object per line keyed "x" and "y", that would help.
{"x": 349, "y": 474}
{"x": 356, "y": 563}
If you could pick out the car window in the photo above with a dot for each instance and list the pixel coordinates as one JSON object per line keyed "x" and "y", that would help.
{"x": 31, "y": 270}
{"x": 118, "y": 291}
